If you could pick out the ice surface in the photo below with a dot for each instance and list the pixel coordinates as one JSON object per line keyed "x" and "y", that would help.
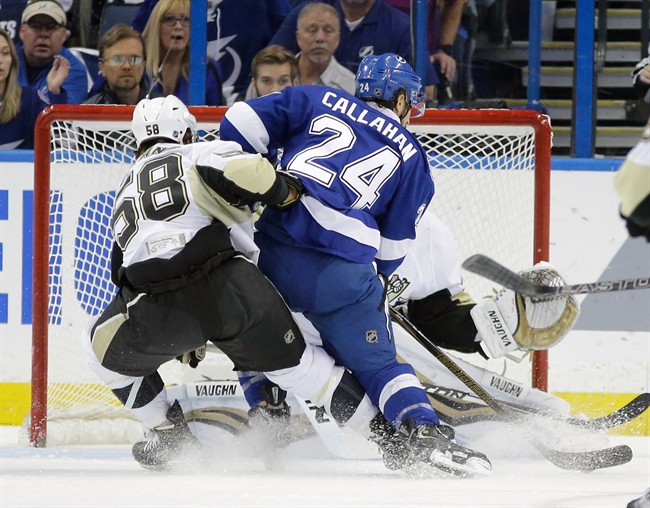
{"x": 232, "y": 476}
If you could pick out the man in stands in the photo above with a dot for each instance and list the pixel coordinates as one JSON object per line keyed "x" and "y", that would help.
{"x": 369, "y": 27}
{"x": 121, "y": 62}
{"x": 273, "y": 68}
{"x": 43, "y": 33}
{"x": 318, "y": 36}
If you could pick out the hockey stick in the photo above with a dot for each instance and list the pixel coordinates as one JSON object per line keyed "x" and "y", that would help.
{"x": 496, "y": 272}
{"x": 327, "y": 429}
{"x": 462, "y": 408}
{"x": 581, "y": 461}
{"x": 620, "y": 416}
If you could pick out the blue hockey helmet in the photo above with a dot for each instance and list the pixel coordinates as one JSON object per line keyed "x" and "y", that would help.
{"x": 382, "y": 76}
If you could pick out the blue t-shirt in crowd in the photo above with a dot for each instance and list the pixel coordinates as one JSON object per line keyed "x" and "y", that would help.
{"x": 19, "y": 132}
{"x": 75, "y": 85}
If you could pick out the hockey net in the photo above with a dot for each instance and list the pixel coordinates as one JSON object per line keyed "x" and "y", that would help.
{"x": 491, "y": 169}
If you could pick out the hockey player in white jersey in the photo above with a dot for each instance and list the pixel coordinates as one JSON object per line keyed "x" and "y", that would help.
{"x": 633, "y": 187}
{"x": 183, "y": 262}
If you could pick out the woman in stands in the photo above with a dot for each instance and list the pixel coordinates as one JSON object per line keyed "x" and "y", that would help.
{"x": 167, "y": 40}
{"x": 20, "y": 105}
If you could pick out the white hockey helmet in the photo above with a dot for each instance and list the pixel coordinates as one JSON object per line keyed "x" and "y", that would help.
{"x": 162, "y": 117}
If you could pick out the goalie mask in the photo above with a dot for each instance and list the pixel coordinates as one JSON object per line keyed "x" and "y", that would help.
{"x": 381, "y": 77}
{"x": 161, "y": 118}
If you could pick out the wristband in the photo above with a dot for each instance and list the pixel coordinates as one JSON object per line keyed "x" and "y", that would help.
{"x": 447, "y": 49}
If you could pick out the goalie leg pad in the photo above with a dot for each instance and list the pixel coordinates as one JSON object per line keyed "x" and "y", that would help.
{"x": 509, "y": 321}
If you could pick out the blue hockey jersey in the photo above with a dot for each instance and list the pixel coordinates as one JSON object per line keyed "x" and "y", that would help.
{"x": 366, "y": 178}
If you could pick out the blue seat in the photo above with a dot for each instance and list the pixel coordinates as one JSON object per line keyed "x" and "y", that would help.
{"x": 116, "y": 12}
{"x": 90, "y": 59}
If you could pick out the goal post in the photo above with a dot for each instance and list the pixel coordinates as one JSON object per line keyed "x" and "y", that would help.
{"x": 520, "y": 121}
{"x": 492, "y": 174}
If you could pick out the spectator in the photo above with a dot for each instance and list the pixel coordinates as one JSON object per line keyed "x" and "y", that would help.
{"x": 43, "y": 33}
{"x": 318, "y": 36}
{"x": 443, "y": 23}
{"x": 230, "y": 39}
{"x": 641, "y": 77}
{"x": 273, "y": 68}
{"x": 369, "y": 27}
{"x": 167, "y": 45}
{"x": 121, "y": 62}
{"x": 11, "y": 12}
{"x": 442, "y": 46}
{"x": 21, "y": 104}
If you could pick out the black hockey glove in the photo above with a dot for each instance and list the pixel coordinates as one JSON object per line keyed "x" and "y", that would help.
{"x": 293, "y": 183}
{"x": 192, "y": 358}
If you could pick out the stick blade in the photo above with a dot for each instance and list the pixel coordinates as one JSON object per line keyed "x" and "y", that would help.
{"x": 633, "y": 409}
{"x": 587, "y": 461}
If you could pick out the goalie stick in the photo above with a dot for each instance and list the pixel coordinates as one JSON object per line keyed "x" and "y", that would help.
{"x": 580, "y": 461}
{"x": 496, "y": 272}
{"x": 462, "y": 408}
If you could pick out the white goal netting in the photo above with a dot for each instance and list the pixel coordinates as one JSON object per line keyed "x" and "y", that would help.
{"x": 484, "y": 166}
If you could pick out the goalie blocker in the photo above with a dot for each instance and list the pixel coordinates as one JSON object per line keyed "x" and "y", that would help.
{"x": 509, "y": 321}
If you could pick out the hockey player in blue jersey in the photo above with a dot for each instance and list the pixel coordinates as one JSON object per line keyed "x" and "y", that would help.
{"x": 366, "y": 184}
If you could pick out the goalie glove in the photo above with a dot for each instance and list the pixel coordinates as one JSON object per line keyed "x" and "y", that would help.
{"x": 509, "y": 321}
{"x": 192, "y": 358}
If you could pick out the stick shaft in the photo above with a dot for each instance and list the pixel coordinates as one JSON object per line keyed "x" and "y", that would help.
{"x": 496, "y": 272}
{"x": 453, "y": 367}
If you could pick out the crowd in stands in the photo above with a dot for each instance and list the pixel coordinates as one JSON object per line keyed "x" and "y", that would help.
{"x": 47, "y": 58}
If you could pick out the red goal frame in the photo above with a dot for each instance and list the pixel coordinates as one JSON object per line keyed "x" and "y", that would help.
{"x": 38, "y": 419}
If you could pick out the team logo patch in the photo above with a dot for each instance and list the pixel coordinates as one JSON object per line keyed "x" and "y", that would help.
{"x": 364, "y": 51}
{"x": 289, "y": 337}
{"x": 371, "y": 336}
{"x": 396, "y": 287}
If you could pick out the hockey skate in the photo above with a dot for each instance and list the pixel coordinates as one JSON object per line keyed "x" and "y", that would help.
{"x": 271, "y": 418}
{"x": 418, "y": 449}
{"x": 393, "y": 445}
{"x": 167, "y": 442}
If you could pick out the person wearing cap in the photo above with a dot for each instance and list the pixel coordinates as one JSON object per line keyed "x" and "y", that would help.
{"x": 43, "y": 32}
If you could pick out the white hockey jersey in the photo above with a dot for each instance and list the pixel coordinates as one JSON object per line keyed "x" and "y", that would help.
{"x": 432, "y": 264}
{"x": 173, "y": 191}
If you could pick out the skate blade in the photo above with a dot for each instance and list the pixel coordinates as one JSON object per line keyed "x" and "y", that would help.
{"x": 470, "y": 467}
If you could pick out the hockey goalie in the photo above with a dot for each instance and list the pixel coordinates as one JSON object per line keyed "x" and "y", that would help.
{"x": 428, "y": 289}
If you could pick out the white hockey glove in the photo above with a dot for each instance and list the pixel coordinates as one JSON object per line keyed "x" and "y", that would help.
{"x": 509, "y": 321}
{"x": 192, "y": 358}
